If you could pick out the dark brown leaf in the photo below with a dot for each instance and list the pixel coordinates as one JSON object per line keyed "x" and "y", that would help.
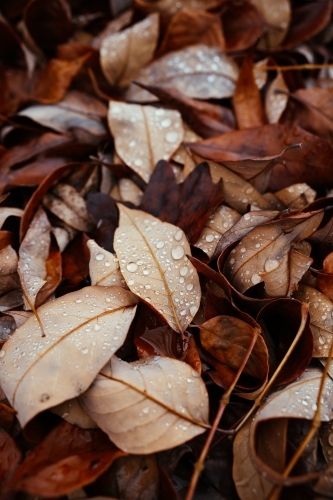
{"x": 242, "y": 25}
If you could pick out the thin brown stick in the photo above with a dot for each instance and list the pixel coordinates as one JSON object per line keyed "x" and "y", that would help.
{"x": 296, "y": 67}
{"x": 199, "y": 466}
{"x": 304, "y": 312}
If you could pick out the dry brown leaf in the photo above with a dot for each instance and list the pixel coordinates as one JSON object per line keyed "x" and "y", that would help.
{"x": 237, "y": 192}
{"x": 73, "y": 413}
{"x": 277, "y": 14}
{"x": 169, "y": 7}
{"x": 57, "y": 357}
{"x": 222, "y": 220}
{"x": 321, "y": 319}
{"x": 248, "y": 480}
{"x": 261, "y": 252}
{"x": 152, "y": 257}
{"x": 150, "y": 405}
{"x": 67, "y": 204}
{"x": 296, "y": 196}
{"x": 243, "y": 226}
{"x": 129, "y": 191}
{"x": 123, "y": 54}
{"x": 8, "y": 267}
{"x": 6, "y": 212}
{"x": 112, "y": 27}
{"x": 154, "y": 133}
{"x": 275, "y": 101}
{"x": 104, "y": 267}
{"x": 198, "y": 71}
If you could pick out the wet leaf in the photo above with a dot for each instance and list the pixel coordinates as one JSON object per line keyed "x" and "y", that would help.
{"x": 159, "y": 133}
{"x": 242, "y": 25}
{"x": 265, "y": 254}
{"x": 152, "y": 258}
{"x": 73, "y": 413}
{"x": 123, "y": 54}
{"x": 10, "y": 458}
{"x": 66, "y": 459}
{"x": 277, "y": 14}
{"x": 296, "y": 196}
{"x": 127, "y": 399}
{"x": 6, "y": 212}
{"x": 276, "y": 101}
{"x": 8, "y": 270}
{"x": 104, "y": 267}
{"x": 197, "y": 76}
{"x": 81, "y": 329}
{"x": 168, "y": 7}
{"x": 325, "y": 277}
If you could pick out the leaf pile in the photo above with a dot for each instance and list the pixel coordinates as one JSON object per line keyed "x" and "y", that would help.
{"x": 166, "y": 249}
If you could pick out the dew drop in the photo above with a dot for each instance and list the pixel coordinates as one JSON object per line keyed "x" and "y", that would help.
{"x": 271, "y": 264}
{"x": 183, "y": 271}
{"x": 78, "y": 301}
{"x": 189, "y": 287}
{"x": 247, "y": 216}
{"x": 159, "y": 244}
{"x": 97, "y": 328}
{"x": 166, "y": 123}
{"x": 2, "y": 353}
{"x": 209, "y": 238}
{"x": 132, "y": 267}
{"x": 138, "y": 162}
{"x": 100, "y": 256}
{"x": 177, "y": 252}
{"x": 193, "y": 310}
{"x": 255, "y": 279}
{"x": 178, "y": 235}
{"x": 85, "y": 350}
{"x": 145, "y": 410}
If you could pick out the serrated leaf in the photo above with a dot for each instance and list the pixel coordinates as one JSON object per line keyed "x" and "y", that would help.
{"x": 152, "y": 257}
{"x": 154, "y": 133}
{"x": 56, "y": 356}
{"x": 149, "y": 405}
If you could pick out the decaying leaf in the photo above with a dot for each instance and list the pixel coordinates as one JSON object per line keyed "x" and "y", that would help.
{"x": 155, "y": 134}
{"x": 152, "y": 258}
{"x": 148, "y": 405}
{"x": 277, "y": 14}
{"x": 104, "y": 267}
{"x": 123, "y": 54}
{"x": 57, "y": 356}
{"x": 264, "y": 255}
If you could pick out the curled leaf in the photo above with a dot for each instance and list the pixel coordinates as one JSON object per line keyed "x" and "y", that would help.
{"x": 149, "y": 405}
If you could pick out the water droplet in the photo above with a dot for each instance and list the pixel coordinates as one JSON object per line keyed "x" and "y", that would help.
{"x": 247, "y": 216}
{"x": 255, "y": 279}
{"x": 178, "y": 235}
{"x": 132, "y": 267}
{"x": 145, "y": 410}
{"x": 78, "y": 301}
{"x": 138, "y": 162}
{"x": 243, "y": 250}
{"x": 97, "y": 328}
{"x": 2, "y": 353}
{"x": 85, "y": 350}
{"x": 193, "y": 310}
{"x": 177, "y": 252}
{"x": 209, "y": 238}
{"x": 166, "y": 122}
{"x": 271, "y": 264}
{"x": 159, "y": 244}
{"x": 189, "y": 287}
{"x": 132, "y": 144}
{"x": 183, "y": 312}
{"x": 100, "y": 256}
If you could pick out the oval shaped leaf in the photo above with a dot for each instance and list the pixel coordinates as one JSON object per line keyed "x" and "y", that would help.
{"x": 149, "y": 405}
{"x": 104, "y": 267}
{"x": 57, "y": 357}
{"x": 152, "y": 257}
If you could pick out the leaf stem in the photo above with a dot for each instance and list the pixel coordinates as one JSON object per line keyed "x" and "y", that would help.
{"x": 199, "y": 466}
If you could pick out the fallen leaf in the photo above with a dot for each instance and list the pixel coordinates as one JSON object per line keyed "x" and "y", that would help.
{"x": 129, "y": 191}
{"x": 66, "y": 459}
{"x": 296, "y": 196}
{"x": 123, "y": 54}
{"x": 104, "y": 267}
{"x": 10, "y": 458}
{"x": 194, "y": 77}
{"x": 278, "y": 15}
{"x": 168, "y": 396}
{"x": 264, "y": 254}
{"x": 6, "y": 212}
{"x": 114, "y": 26}
{"x": 81, "y": 329}
{"x": 168, "y": 7}
{"x": 72, "y": 412}
{"x": 159, "y": 133}
{"x": 8, "y": 271}
{"x": 276, "y": 101}
{"x": 243, "y": 25}
{"x": 152, "y": 258}
{"x": 325, "y": 278}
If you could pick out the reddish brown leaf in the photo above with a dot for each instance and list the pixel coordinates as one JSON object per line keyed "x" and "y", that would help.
{"x": 242, "y": 25}
{"x": 67, "y": 459}
{"x": 325, "y": 277}
{"x": 10, "y": 459}
{"x": 75, "y": 264}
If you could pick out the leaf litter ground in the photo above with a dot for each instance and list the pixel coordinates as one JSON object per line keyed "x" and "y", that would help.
{"x": 166, "y": 250}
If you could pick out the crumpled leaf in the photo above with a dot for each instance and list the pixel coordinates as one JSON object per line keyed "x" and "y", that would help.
{"x": 278, "y": 15}
{"x": 149, "y": 405}
{"x": 155, "y": 134}
{"x": 66, "y": 459}
{"x": 321, "y": 320}
{"x": 265, "y": 255}
{"x": 123, "y": 54}
{"x": 59, "y": 354}
{"x": 152, "y": 258}
{"x": 104, "y": 267}
{"x": 191, "y": 71}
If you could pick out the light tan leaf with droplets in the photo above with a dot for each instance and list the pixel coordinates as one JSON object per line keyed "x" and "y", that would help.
{"x": 222, "y": 220}
{"x": 152, "y": 258}
{"x": 278, "y": 15}
{"x": 123, "y": 54}
{"x": 67, "y": 204}
{"x": 33, "y": 254}
{"x": 144, "y": 135}
{"x": 8, "y": 267}
{"x": 58, "y": 357}
{"x": 104, "y": 267}
{"x": 276, "y": 102}
{"x": 198, "y": 71}
{"x": 129, "y": 191}
{"x": 296, "y": 196}
{"x": 260, "y": 253}
{"x": 8, "y": 212}
{"x": 321, "y": 318}
{"x": 150, "y": 405}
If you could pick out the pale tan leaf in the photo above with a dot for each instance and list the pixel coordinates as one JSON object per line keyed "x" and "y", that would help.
{"x": 170, "y": 7}
{"x": 198, "y": 71}
{"x": 237, "y": 192}
{"x": 57, "y": 357}
{"x": 63, "y": 236}
{"x": 249, "y": 482}
{"x": 245, "y": 224}
{"x": 67, "y": 204}
{"x": 8, "y": 266}
{"x": 129, "y": 191}
{"x": 181, "y": 155}
{"x": 296, "y": 196}
{"x": 8, "y": 212}
{"x": 33, "y": 254}
{"x": 144, "y": 135}
{"x": 150, "y": 405}
{"x": 152, "y": 257}
{"x": 275, "y": 101}
{"x": 20, "y": 317}
{"x": 321, "y": 318}
{"x": 73, "y": 413}
{"x": 222, "y": 220}
{"x": 260, "y": 253}
{"x": 278, "y": 15}
{"x": 104, "y": 267}
{"x": 123, "y": 54}
{"x": 260, "y": 72}
{"x": 112, "y": 27}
